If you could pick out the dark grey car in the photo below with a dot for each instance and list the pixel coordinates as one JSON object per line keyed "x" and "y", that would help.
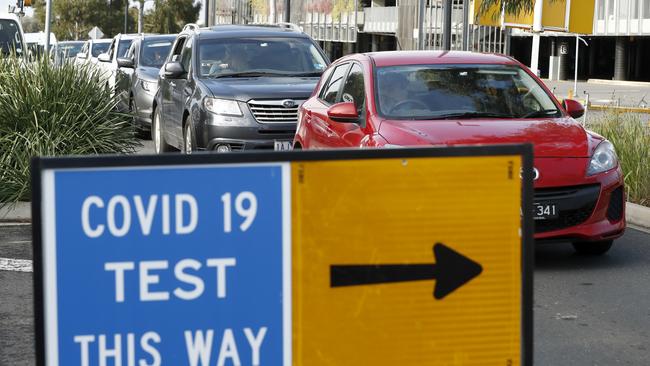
{"x": 137, "y": 76}
{"x": 234, "y": 87}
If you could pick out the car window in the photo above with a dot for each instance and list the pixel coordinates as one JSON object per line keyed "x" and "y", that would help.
{"x": 154, "y": 52}
{"x": 111, "y": 49}
{"x": 186, "y": 55}
{"x": 10, "y": 39}
{"x": 331, "y": 92}
{"x": 130, "y": 53}
{"x": 99, "y": 48}
{"x": 123, "y": 47}
{"x": 84, "y": 49}
{"x": 353, "y": 89}
{"x": 178, "y": 48}
{"x": 274, "y": 56}
{"x": 443, "y": 91}
{"x": 69, "y": 50}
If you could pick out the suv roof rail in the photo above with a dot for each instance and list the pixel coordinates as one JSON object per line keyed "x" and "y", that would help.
{"x": 191, "y": 27}
{"x": 293, "y": 26}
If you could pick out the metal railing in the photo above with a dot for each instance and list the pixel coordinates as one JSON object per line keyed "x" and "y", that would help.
{"x": 381, "y": 19}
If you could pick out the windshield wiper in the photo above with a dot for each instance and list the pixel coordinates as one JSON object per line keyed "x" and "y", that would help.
{"x": 311, "y": 73}
{"x": 246, "y": 74}
{"x": 472, "y": 114}
{"x": 541, "y": 113}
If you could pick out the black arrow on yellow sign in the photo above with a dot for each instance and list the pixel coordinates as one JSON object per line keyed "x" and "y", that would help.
{"x": 451, "y": 271}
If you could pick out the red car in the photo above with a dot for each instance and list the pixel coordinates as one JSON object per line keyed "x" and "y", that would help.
{"x": 390, "y": 99}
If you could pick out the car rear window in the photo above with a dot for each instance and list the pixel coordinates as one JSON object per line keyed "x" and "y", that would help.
{"x": 283, "y": 56}
{"x": 99, "y": 48}
{"x": 463, "y": 91}
{"x": 10, "y": 39}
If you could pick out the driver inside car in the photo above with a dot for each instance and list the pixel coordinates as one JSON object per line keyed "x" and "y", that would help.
{"x": 393, "y": 93}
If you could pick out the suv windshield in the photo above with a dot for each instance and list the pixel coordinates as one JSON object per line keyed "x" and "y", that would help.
{"x": 99, "y": 48}
{"x": 260, "y": 56}
{"x": 9, "y": 37}
{"x": 154, "y": 52}
{"x": 460, "y": 91}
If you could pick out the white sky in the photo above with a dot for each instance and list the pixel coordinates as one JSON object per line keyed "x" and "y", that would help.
{"x": 4, "y": 5}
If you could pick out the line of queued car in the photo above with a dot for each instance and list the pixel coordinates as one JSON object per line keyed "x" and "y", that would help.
{"x": 230, "y": 88}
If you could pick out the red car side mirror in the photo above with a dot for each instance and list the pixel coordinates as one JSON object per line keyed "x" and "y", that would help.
{"x": 573, "y": 108}
{"x": 345, "y": 112}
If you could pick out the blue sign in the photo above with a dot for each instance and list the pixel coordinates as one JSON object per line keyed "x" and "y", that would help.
{"x": 176, "y": 265}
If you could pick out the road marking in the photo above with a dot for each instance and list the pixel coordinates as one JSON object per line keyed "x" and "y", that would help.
{"x": 16, "y": 265}
{"x": 20, "y": 242}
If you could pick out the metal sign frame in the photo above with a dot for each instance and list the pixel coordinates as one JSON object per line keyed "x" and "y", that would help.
{"x": 527, "y": 251}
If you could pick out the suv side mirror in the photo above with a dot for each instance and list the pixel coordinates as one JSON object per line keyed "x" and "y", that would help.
{"x": 125, "y": 62}
{"x": 82, "y": 55}
{"x": 174, "y": 70}
{"x": 103, "y": 57}
{"x": 573, "y": 108}
{"x": 345, "y": 112}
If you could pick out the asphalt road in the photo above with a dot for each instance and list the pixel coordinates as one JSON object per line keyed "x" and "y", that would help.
{"x": 588, "y": 311}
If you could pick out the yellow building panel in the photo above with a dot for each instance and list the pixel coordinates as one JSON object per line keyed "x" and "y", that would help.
{"x": 450, "y": 241}
{"x": 582, "y": 16}
{"x": 522, "y": 20}
{"x": 491, "y": 18}
{"x": 554, "y": 15}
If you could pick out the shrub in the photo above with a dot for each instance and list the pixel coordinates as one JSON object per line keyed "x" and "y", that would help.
{"x": 631, "y": 137}
{"x": 53, "y": 111}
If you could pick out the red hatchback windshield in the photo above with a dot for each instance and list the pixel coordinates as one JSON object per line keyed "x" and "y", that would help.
{"x": 460, "y": 91}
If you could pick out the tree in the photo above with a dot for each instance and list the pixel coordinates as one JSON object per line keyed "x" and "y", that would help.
{"x": 31, "y": 25}
{"x": 170, "y": 16}
{"x": 73, "y": 19}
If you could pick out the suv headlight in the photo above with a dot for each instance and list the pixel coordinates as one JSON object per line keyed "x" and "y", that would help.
{"x": 149, "y": 86}
{"x": 223, "y": 107}
{"x": 603, "y": 159}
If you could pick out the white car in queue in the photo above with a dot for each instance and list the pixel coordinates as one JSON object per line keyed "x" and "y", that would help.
{"x": 12, "y": 38}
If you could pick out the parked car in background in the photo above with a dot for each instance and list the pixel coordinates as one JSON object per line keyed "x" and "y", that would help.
{"x": 91, "y": 50}
{"x": 392, "y": 99}
{"x": 36, "y": 44}
{"x": 137, "y": 76}
{"x": 66, "y": 51}
{"x": 108, "y": 60}
{"x": 12, "y": 38}
{"x": 234, "y": 87}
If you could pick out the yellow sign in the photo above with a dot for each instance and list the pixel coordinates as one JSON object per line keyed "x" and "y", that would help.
{"x": 409, "y": 261}
{"x": 573, "y": 16}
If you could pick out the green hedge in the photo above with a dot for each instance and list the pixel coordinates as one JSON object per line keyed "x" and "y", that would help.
{"x": 52, "y": 111}
{"x": 631, "y": 137}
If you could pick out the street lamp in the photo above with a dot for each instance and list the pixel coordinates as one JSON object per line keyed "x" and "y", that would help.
{"x": 141, "y": 15}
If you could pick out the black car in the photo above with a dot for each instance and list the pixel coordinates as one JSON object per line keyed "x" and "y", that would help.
{"x": 233, "y": 87}
{"x": 137, "y": 76}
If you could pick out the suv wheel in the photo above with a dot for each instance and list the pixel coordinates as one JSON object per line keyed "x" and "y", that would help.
{"x": 189, "y": 140}
{"x": 159, "y": 144}
{"x": 593, "y": 248}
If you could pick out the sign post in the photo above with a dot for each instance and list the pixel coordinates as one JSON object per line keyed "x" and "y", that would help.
{"x": 313, "y": 258}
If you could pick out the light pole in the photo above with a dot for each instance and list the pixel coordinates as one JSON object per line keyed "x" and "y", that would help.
{"x": 141, "y": 15}
{"x": 575, "y": 77}
{"x": 48, "y": 20}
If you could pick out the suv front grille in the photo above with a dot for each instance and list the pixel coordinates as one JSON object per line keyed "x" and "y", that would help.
{"x": 575, "y": 206}
{"x": 274, "y": 111}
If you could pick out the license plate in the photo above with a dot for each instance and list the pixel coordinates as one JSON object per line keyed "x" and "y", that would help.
{"x": 282, "y": 145}
{"x": 545, "y": 211}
